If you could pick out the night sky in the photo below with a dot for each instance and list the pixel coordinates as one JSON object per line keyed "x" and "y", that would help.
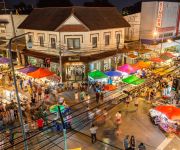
{"x": 119, "y": 3}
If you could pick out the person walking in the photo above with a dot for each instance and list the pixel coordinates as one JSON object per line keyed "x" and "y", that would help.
{"x": 39, "y": 90}
{"x": 26, "y": 128}
{"x": 126, "y": 142}
{"x": 132, "y": 143}
{"x": 76, "y": 96}
{"x": 118, "y": 119}
{"x": 136, "y": 103}
{"x": 21, "y": 84}
{"x": 141, "y": 146}
{"x": 93, "y": 130}
{"x": 97, "y": 97}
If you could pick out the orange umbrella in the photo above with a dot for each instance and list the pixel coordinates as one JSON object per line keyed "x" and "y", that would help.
{"x": 109, "y": 87}
{"x": 40, "y": 73}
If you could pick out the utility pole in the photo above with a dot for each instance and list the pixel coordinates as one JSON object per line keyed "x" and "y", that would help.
{"x": 64, "y": 128}
{"x": 14, "y": 35}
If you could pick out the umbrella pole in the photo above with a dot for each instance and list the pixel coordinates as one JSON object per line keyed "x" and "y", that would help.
{"x": 64, "y": 128}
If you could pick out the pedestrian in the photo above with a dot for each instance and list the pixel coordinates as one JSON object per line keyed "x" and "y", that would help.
{"x": 132, "y": 143}
{"x": 93, "y": 130}
{"x": 97, "y": 97}
{"x": 21, "y": 84}
{"x": 87, "y": 98}
{"x": 11, "y": 137}
{"x": 127, "y": 101}
{"x": 126, "y": 142}
{"x": 118, "y": 119}
{"x": 39, "y": 90}
{"x": 102, "y": 96}
{"x": 136, "y": 103}
{"x": 26, "y": 128}
{"x": 141, "y": 147}
{"x": 76, "y": 95}
{"x": 82, "y": 95}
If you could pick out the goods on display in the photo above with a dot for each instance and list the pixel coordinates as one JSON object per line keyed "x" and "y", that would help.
{"x": 54, "y": 108}
{"x": 167, "y": 117}
{"x": 157, "y": 60}
{"x": 137, "y": 82}
{"x": 169, "y": 54}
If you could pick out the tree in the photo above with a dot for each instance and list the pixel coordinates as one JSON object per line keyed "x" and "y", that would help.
{"x": 22, "y": 8}
{"x": 54, "y": 3}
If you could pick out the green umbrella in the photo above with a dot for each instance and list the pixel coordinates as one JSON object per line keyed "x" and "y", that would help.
{"x": 54, "y": 108}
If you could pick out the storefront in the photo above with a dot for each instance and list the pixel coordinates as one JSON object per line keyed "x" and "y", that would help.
{"x": 74, "y": 71}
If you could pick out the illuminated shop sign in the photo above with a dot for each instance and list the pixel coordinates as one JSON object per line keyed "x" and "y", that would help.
{"x": 160, "y": 14}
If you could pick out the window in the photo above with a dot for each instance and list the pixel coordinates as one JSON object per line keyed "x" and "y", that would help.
{"x": 107, "y": 39}
{"x": 73, "y": 43}
{"x": 94, "y": 42}
{"x": 2, "y": 31}
{"x": 53, "y": 43}
{"x": 41, "y": 41}
{"x": 118, "y": 38}
{"x": 30, "y": 41}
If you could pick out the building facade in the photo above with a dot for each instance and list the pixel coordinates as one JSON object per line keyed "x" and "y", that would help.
{"x": 159, "y": 20}
{"x": 8, "y": 29}
{"x": 87, "y": 37}
{"x": 133, "y": 32}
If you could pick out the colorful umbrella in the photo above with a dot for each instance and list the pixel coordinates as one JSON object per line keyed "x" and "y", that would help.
{"x": 130, "y": 79}
{"x": 54, "y": 108}
{"x": 127, "y": 68}
{"x": 157, "y": 60}
{"x": 4, "y": 60}
{"x": 40, "y": 73}
{"x": 109, "y": 87}
{"x": 28, "y": 69}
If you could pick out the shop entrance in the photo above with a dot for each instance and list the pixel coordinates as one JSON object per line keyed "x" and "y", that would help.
{"x": 75, "y": 72}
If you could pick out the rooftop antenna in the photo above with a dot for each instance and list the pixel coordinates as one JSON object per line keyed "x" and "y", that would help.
{"x": 4, "y": 3}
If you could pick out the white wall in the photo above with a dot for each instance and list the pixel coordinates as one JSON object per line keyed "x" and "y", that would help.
{"x": 149, "y": 14}
{"x": 18, "y": 19}
{"x": 132, "y": 33}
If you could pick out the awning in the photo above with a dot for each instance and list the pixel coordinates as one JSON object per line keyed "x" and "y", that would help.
{"x": 113, "y": 73}
{"x": 164, "y": 57}
{"x": 169, "y": 54}
{"x": 137, "y": 82}
{"x": 97, "y": 75}
{"x": 127, "y": 68}
{"x": 141, "y": 65}
{"x": 171, "y": 112}
{"x": 40, "y": 73}
{"x": 27, "y": 69}
{"x": 109, "y": 87}
{"x": 130, "y": 79}
{"x": 157, "y": 60}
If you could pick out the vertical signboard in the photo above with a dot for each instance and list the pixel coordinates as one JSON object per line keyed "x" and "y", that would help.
{"x": 160, "y": 14}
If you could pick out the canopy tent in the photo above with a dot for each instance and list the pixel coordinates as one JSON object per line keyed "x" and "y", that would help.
{"x": 130, "y": 79}
{"x": 159, "y": 60}
{"x": 165, "y": 57}
{"x": 113, "y": 73}
{"x": 127, "y": 68}
{"x": 109, "y": 87}
{"x": 97, "y": 75}
{"x": 4, "y": 60}
{"x": 54, "y": 78}
{"x": 169, "y": 54}
{"x": 142, "y": 64}
{"x": 171, "y": 112}
{"x": 40, "y": 73}
{"x": 27, "y": 69}
{"x": 137, "y": 82}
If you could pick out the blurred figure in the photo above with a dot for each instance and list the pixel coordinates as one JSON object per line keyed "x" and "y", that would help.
{"x": 93, "y": 130}
{"x": 141, "y": 147}
{"x": 126, "y": 142}
{"x": 132, "y": 143}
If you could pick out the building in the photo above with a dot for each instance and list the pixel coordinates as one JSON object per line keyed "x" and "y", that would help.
{"x": 159, "y": 20}
{"x": 88, "y": 38}
{"x": 8, "y": 29}
{"x": 133, "y": 32}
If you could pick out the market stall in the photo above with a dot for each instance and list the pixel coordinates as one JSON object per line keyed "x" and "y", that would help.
{"x": 27, "y": 69}
{"x": 157, "y": 60}
{"x": 114, "y": 77}
{"x": 40, "y": 73}
{"x": 97, "y": 76}
{"x": 130, "y": 79}
{"x": 167, "y": 117}
{"x": 4, "y": 63}
{"x": 127, "y": 69}
{"x": 109, "y": 87}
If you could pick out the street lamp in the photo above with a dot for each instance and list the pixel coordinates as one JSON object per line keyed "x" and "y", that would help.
{"x": 16, "y": 89}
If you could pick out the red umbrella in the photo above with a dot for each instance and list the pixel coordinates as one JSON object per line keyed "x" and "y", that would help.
{"x": 40, "y": 73}
{"x": 169, "y": 55}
